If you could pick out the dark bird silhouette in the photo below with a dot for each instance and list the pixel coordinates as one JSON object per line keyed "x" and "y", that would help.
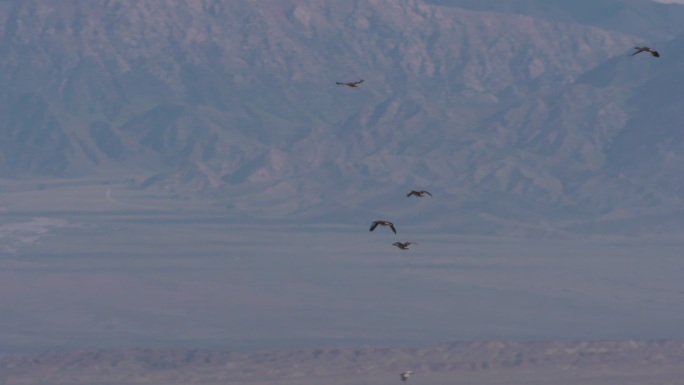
{"x": 350, "y": 84}
{"x": 405, "y": 375}
{"x": 383, "y": 223}
{"x": 419, "y": 194}
{"x": 645, "y": 49}
{"x": 403, "y": 246}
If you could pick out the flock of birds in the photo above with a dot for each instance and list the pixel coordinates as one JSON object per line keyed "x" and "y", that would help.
{"x": 422, "y": 193}
{"x": 419, "y": 194}
{"x": 401, "y": 245}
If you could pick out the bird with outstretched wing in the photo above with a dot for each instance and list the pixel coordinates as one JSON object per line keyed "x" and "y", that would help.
{"x": 383, "y": 223}
{"x": 350, "y": 84}
{"x": 646, "y": 49}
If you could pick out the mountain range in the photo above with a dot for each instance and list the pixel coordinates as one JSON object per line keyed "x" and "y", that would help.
{"x": 522, "y": 117}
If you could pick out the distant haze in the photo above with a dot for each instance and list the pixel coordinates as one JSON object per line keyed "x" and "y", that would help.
{"x": 187, "y": 173}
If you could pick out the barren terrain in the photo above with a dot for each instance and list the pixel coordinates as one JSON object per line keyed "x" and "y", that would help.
{"x": 486, "y": 363}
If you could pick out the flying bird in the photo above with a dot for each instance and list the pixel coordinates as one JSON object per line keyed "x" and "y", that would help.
{"x": 405, "y": 375}
{"x": 383, "y": 223}
{"x": 350, "y": 84}
{"x": 403, "y": 246}
{"x": 419, "y": 194}
{"x": 645, "y": 49}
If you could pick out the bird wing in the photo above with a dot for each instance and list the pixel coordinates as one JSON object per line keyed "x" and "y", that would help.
{"x": 373, "y": 226}
{"x": 411, "y": 193}
{"x": 358, "y": 82}
{"x": 427, "y": 192}
{"x": 639, "y": 50}
{"x": 393, "y": 229}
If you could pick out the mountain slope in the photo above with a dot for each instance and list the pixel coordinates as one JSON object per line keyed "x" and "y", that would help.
{"x": 611, "y": 142}
{"x": 239, "y": 104}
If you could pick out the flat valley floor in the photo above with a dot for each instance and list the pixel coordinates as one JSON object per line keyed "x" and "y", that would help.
{"x": 93, "y": 266}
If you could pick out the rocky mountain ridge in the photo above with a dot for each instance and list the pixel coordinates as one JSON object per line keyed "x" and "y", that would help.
{"x": 238, "y": 105}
